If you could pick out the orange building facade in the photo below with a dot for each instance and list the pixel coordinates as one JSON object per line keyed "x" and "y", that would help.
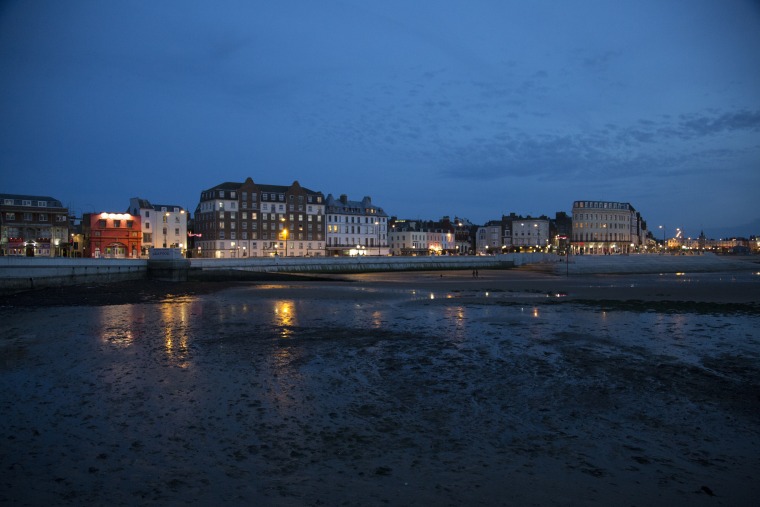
{"x": 111, "y": 235}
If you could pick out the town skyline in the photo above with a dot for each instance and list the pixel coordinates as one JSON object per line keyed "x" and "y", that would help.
{"x": 434, "y": 108}
{"x": 656, "y": 229}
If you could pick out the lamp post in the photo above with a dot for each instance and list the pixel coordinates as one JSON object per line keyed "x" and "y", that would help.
{"x": 166, "y": 225}
{"x": 663, "y": 236}
{"x": 377, "y": 227}
{"x": 285, "y": 237}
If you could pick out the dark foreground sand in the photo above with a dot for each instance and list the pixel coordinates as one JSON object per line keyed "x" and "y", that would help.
{"x": 514, "y": 388}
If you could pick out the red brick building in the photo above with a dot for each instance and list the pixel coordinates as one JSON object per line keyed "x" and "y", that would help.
{"x": 111, "y": 235}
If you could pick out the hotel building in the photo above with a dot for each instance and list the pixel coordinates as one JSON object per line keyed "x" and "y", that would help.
{"x": 33, "y": 225}
{"x": 355, "y": 227}
{"x": 163, "y": 225}
{"x": 238, "y": 220}
{"x": 604, "y": 227}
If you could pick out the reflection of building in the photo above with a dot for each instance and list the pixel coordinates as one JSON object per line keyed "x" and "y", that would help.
{"x": 355, "y": 227}
{"x": 111, "y": 235}
{"x": 33, "y": 225}
{"x": 249, "y": 219}
{"x": 602, "y": 227}
{"x": 163, "y": 225}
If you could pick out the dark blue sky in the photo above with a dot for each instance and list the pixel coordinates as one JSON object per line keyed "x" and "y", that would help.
{"x": 471, "y": 108}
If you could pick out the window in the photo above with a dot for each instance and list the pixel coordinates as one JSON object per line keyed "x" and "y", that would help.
{"x": 147, "y": 225}
{"x": 117, "y": 223}
{"x": 26, "y": 203}
{"x": 102, "y": 224}
{"x": 221, "y": 225}
{"x": 176, "y": 232}
{"x": 10, "y": 216}
{"x": 42, "y": 204}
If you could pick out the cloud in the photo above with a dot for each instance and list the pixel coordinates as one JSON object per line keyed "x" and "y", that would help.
{"x": 643, "y": 149}
{"x": 703, "y": 125}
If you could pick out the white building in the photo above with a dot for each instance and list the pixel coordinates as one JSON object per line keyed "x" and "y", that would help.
{"x": 355, "y": 227}
{"x": 605, "y": 227}
{"x": 412, "y": 237}
{"x": 522, "y": 233}
{"x": 163, "y": 225}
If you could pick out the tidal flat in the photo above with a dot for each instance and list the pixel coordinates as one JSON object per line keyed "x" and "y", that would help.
{"x": 513, "y": 388}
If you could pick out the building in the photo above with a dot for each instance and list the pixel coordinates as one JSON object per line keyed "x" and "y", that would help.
{"x": 33, "y": 225}
{"x": 513, "y": 233}
{"x": 490, "y": 238}
{"x": 355, "y": 227}
{"x": 463, "y": 235}
{"x": 163, "y": 225}
{"x": 417, "y": 237}
{"x": 523, "y": 234}
{"x": 560, "y": 232}
{"x": 604, "y": 227}
{"x": 111, "y": 235}
{"x": 234, "y": 220}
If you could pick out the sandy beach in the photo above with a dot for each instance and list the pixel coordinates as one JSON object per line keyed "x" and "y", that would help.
{"x": 429, "y": 388}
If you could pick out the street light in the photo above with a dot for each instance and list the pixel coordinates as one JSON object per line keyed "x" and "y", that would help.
{"x": 285, "y": 237}
{"x": 166, "y": 224}
{"x": 377, "y": 226}
{"x": 663, "y": 236}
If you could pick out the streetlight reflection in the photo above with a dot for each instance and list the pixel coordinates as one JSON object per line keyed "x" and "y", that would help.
{"x": 284, "y": 317}
{"x": 174, "y": 317}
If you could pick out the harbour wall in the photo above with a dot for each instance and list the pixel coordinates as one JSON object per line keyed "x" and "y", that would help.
{"x": 22, "y": 273}
{"x": 650, "y": 264}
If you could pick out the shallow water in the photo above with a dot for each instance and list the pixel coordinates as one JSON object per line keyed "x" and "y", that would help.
{"x": 362, "y": 395}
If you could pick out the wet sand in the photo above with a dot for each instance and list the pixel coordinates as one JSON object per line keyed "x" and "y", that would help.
{"x": 515, "y": 388}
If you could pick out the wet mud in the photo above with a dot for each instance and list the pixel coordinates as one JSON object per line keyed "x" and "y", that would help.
{"x": 432, "y": 390}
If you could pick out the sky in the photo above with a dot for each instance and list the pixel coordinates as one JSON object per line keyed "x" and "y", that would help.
{"x": 470, "y": 108}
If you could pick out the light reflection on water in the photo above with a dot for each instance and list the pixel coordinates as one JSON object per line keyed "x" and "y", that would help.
{"x": 116, "y": 325}
{"x": 284, "y": 317}
{"x": 174, "y": 320}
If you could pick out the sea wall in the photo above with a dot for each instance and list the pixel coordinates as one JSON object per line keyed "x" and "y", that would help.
{"x": 352, "y": 264}
{"x": 18, "y": 273}
{"x": 651, "y": 263}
